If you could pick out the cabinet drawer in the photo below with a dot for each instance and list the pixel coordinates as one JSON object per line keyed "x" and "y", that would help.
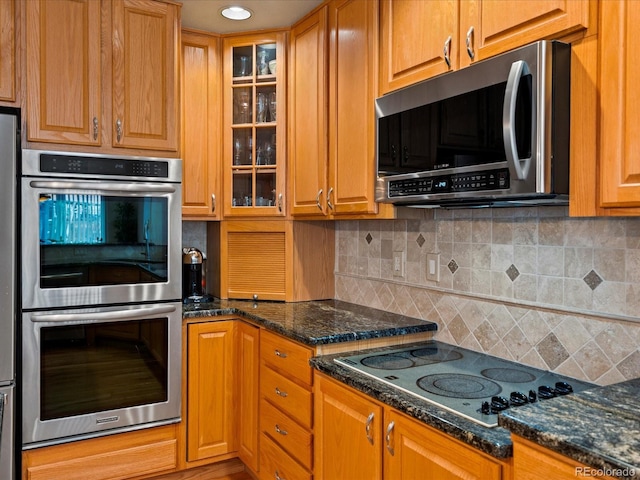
{"x": 286, "y": 356}
{"x": 275, "y": 463}
{"x": 286, "y": 395}
{"x": 292, "y": 437}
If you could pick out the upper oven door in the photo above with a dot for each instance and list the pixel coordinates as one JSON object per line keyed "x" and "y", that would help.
{"x": 96, "y": 242}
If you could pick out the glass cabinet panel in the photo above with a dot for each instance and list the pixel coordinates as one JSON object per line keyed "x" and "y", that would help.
{"x": 256, "y": 171}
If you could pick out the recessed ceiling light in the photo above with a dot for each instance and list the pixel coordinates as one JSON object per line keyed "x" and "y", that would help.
{"x": 235, "y": 13}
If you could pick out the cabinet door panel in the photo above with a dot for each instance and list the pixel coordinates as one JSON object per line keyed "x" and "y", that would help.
{"x": 63, "y": 71}
{"x": 410, "y": 52}
{"x": 7, "y": 51}
{"x": 211, "y": 428}
{"x": 201, "y": 99}
{"x": 145, "y": 75}
{"x": 501, "y": 25}
{"x": 619, "y": 115}
{"x": 417, "y": 451}
{"x": 308, "y": 133}
{"x": 352, "y": 70}
{"x": 348, "y": 434}
{"x": 248, "y": 378}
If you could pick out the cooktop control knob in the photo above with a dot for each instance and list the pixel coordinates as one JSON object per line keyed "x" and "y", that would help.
{"x": 545, "y": 392}
{"x": 486, "y": 408}
{"x": 532, "y": 396}
{"x": 498, "y": 404}
{"x": 563, "y": 388}
{"x": 517, "y": 399}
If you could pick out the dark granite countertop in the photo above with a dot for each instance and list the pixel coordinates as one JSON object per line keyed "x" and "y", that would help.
{"x": 599, "y": 427}
{"x": 493, "y": 441}
{"x": 316, "y": 322}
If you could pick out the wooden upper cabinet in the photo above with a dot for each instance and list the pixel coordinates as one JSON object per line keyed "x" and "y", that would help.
{"x": 353, "y": 69}
{"x": 201, "y": 99}
{"x": 490, "y": 27}
{"x": 619, "y": 153}
{"x": 308, "y": 92}
{"x": 413, "y": 39}
{"x": 7, "y": 50}
{"x": 476, "y": 29}
{"x": 63, "y": 71}
{"x": 120, "y": 92}
{"x": 145, "y": 75}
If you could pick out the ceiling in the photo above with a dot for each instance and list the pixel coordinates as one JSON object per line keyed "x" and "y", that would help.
{"x": 267, "y": 14}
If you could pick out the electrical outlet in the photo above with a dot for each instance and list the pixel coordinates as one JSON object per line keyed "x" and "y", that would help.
{"x": 399, "y": 260}
{"x": 433, "y": 267}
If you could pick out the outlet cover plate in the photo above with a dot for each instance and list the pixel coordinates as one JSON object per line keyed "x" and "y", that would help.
{"x": 399, "y": 261}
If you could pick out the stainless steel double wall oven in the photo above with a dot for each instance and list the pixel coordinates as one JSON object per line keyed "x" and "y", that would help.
{"x": 101, "y": 290}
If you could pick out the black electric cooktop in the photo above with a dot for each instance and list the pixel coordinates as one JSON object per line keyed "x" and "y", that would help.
{"x": 475, "y": 385}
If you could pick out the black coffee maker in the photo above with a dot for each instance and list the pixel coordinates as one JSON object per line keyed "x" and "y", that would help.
{"x": 193, "y": 277}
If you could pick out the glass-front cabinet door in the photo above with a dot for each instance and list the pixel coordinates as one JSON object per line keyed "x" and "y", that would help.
{"x": 254, "y": 125}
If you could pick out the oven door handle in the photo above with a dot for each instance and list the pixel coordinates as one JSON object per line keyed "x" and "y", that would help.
{"x": 111, "y": 316}
{"x": 116, "y": 187}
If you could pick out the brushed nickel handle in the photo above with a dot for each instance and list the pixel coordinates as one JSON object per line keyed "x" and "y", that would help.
{"x": 281, "y": 393}
{"x": 118, "y": 130}
{"x": 281, "y": 431}
{"x": 95, "y": 128}
{"x": 318, "y": 200}
{"x": 367, "y": 428}
{"x": 279, "y": 202}
{"x": 329, "y": 204}
{"x": 388, "y": 438}
{"x": 213, "y": 203}
{"x": 280, "y": 354}
{"x": 447, "y": 51}
{"x": 469, "y": 42}
{"x": 278, "y": 477}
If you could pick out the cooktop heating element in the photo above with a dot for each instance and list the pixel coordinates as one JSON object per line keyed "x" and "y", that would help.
{"x": 474, "y": 385}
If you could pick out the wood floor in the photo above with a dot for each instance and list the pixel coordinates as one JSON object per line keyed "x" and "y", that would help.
{"x": 231, "y": 470}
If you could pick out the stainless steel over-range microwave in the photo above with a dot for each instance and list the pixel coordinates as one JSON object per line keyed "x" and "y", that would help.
{"x": 494, "y": 133}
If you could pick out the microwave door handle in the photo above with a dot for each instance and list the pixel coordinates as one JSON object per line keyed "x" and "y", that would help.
{"x": 518, "y": 70}
{"x": 111, "y": 316}
{"x": 107, "y": 187}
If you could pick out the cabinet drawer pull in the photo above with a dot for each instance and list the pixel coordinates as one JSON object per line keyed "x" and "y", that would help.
{"x": 469, "y": 42}
{"x": 280, "y": 431}
{"x": 388, "y": 438}
{"x": 367, "y": 427}
{"x": 281, "y": 393}
{"x": 447, "y": 51}
{"x": 280, "y": 354}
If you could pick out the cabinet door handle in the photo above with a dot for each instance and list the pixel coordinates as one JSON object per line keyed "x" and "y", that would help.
{"x": 280, "y": 354}
{"x": 213, "y": 203}
{"x": 278, "y": 477}
{"x": 447, "y": 51}
{"x": 280, "y": 431}
{"x": 279, "y": 202}
{"x": 318, "y": 200}
{"x": 118, "y": 130}
{"x": 329, "y": 204}
{"x": 95, "y": 128}
{"x": 469, "y": 42}
{"x": 388, "y": 438}
{"x": 367, "y": 428}
{"x": 281, "y": 393}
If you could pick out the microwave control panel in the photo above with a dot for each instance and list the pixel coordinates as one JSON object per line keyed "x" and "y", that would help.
{"x": 454, "y": 182}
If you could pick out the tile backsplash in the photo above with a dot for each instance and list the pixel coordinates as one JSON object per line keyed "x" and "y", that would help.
{"x": 527, "y": 284}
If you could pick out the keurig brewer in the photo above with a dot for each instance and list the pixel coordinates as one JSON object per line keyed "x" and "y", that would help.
{"x": 193, "y": 277}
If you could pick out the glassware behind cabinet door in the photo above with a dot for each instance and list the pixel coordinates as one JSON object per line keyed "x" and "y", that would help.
{"x": 272, "y": 105}
{"x": 261, "y": 108}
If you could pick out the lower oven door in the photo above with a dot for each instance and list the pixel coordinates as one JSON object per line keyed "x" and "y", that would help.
{"x": 91, "y": 371}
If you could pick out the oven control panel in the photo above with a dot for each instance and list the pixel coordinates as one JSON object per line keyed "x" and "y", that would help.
{"x": 120, "y": 167}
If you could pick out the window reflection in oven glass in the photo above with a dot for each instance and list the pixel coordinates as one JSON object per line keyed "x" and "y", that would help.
{"x": 98, "y": 367}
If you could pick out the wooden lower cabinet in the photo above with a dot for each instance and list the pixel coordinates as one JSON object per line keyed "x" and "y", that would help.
{"x": 247, "y": 376}
{"x": 114, "y": 457}
{"x": 353, "y": 442}
{"x": 286, "y": 415}
{"x": 532, "y": 461}
{"x": 210, "y": 389}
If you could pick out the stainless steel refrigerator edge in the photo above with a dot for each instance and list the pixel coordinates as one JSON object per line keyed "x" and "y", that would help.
{"x": 8, "y": 288}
